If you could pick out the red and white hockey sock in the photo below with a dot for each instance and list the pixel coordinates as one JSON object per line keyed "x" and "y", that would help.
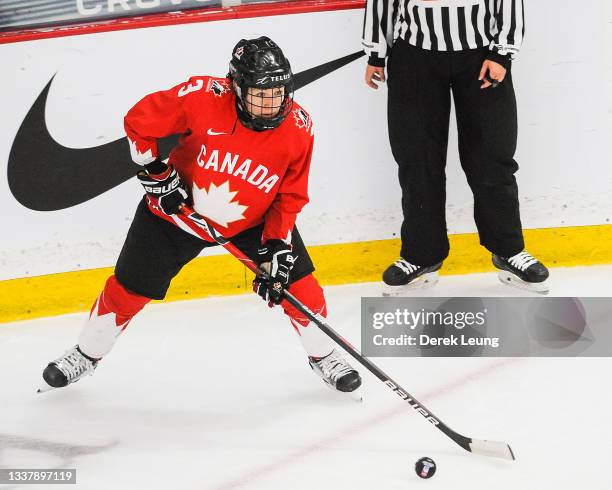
{"x": 109, "y": 316}
{"x": 309, "y": 292}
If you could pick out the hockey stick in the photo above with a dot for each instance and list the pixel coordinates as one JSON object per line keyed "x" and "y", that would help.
{"x": 204, "y": 230}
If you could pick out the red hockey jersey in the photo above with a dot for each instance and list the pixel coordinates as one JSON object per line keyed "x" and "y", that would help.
{"x": 238, "y": 177}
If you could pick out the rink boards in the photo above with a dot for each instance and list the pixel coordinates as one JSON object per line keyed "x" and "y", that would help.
{"x": 54, "y": 261}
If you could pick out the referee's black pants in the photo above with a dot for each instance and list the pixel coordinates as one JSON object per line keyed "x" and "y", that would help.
{"x": 420, "y": 84}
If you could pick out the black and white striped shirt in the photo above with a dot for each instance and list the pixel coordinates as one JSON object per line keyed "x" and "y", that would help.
{"x": 443, "y": 25}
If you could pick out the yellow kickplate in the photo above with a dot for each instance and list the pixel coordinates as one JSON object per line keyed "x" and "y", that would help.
{"x": 342, "y": 263}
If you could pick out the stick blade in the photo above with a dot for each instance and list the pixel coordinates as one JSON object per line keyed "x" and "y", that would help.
{"x": 494, "y": 449}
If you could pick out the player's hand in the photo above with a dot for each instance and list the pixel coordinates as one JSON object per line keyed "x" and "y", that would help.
{"x": 276, "y": 261}
{"x": 374, "y": 74}
{"x": 164, "y": 188}
{"x": 491, "y": 74}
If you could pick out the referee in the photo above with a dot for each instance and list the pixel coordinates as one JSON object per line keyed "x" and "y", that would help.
{"x": 435, "y": 49}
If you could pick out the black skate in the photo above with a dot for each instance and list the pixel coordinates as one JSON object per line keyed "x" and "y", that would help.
{"x": 522, "y": 271}
{"x": 402, "y": 276}
{"x": 336, "y": 372}
{"x": 69, "y": 368}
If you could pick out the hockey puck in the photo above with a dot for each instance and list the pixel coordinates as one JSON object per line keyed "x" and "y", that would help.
{"x": 425, "y": 468}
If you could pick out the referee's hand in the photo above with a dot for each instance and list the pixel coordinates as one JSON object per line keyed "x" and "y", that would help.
{"x": 496, "y": 72}
{"x": 374, "y": 74}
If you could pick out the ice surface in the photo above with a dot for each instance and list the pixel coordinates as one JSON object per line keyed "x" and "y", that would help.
{"x": 217, "y": 394}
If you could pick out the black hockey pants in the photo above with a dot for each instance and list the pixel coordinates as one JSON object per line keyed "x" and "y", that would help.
{"x": 420, "y": 85}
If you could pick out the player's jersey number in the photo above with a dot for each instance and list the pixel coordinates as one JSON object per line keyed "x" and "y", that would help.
{"x": 190, "y": 87}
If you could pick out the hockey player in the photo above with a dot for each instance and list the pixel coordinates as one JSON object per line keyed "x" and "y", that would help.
{"x": 243, "y": 157}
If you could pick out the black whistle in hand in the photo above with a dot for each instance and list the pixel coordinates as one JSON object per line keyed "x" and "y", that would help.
{"x": 494, "y": 83}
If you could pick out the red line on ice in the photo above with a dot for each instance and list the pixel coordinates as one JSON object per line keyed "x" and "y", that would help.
{"x": 267, "y": 469}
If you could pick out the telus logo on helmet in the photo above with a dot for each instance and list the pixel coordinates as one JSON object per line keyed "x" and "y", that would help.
{"x": 268, "y": 78}
{"x": 36, "y": 158}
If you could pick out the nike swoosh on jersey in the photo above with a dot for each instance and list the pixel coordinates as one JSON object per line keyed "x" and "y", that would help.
{"x": 44, "y": 175}
{"x": 210, "y": 132}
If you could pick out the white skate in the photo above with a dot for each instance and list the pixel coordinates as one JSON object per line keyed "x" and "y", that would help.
{"x": 69, "y": 368}
{"x": 337, "y": 374}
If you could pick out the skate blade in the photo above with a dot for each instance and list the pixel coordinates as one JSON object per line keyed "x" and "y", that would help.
{"x": 44, "y": 388}
{"x": 509, "y": 279}
{"x": 356, "y": 396}
{"x": 425, "y": 281}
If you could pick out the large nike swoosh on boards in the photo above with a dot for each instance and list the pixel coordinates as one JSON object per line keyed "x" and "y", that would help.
{"x": 44, "y": 175}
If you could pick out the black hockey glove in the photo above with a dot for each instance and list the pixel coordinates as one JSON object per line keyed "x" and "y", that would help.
{"x": 276, "y": 260}
{"x": 164, "y": 187}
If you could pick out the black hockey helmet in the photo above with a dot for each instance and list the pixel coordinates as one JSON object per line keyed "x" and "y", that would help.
{"x": 260, "y": 64}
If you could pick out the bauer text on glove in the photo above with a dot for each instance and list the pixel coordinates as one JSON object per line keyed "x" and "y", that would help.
{"x": 165, "y": 188}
